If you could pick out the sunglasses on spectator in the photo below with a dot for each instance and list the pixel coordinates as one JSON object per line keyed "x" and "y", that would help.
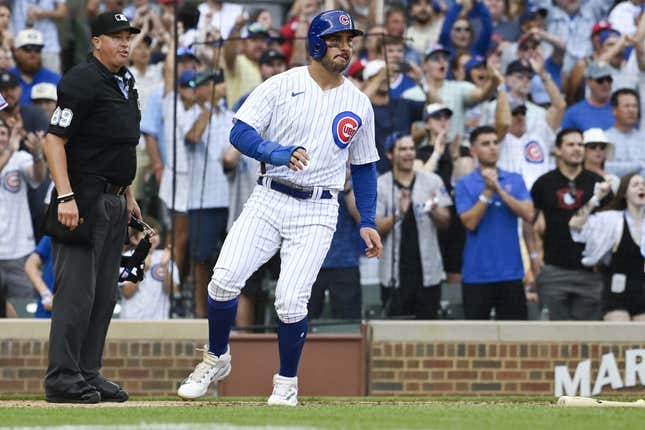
{"x": 600, "y": 145}
{"x": 439, "y": 57}
{"x": 441, "y": 115}
{"x": 32, "y": 48}
{"x": 604, "y": 79}
{"x": 462, "y": 29}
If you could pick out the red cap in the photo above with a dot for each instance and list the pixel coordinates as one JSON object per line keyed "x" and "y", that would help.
{"x": 356, "y": 68}
{"x": 526, "y": 37}
{"x": 600, "y": 26}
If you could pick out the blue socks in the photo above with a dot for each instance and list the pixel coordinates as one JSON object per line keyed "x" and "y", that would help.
{"x": 221, "y": 317}
{"x": 291, "y": 339}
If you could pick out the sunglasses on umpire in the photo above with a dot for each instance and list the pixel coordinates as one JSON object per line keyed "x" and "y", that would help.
{"x": 593, "y": 145}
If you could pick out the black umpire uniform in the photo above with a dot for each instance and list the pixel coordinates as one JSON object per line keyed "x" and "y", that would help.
{"x": 97, "y": 121}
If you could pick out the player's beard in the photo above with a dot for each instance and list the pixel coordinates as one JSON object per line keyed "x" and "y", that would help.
{"x": 331, "y": 66}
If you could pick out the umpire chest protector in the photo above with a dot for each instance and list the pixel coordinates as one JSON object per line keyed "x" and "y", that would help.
{"x": 101, "y": 123}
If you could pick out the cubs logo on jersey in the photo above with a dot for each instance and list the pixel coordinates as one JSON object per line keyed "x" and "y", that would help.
{"x": 158, "y": 272}
{"x": 533, "y": 152}
{"x": 344, "y": 127}
{"x": 12, "y": 182}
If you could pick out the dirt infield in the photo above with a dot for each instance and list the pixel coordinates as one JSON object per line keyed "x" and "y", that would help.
{"x": 226, "y": 403}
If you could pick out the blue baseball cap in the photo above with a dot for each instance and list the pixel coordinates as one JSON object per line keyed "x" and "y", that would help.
{"x": 184, "y": 52}
{"x": 186, "y": 77}
{"x": 473, "y": 63}
{"x": 606, "y": 34}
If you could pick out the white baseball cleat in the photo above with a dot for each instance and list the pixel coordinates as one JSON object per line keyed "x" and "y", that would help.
{"x": 211, "y": 368}
{"x": 285, "y": 391}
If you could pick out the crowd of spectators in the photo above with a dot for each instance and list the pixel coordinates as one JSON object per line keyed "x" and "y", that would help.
{"x": 509, "y": 131}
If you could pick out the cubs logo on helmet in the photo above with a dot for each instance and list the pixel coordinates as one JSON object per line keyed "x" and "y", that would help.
{"x": 12, "y": 182}
{"x": 158, "y": 272}
{"x": 533, "y": 152}
{"x": 326, "y": 24}
{"x": 344, "y": 127}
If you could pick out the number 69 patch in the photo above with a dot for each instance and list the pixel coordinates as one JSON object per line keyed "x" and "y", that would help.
{"x": 62, "y": 117}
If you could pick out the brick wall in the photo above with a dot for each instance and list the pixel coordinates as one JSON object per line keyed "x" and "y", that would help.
{"x": 142, "y": 367}
{"x": 477, "y": 368}
{"x": 167, "y": 354}
{"x": 390, "y": 358}
{"x": 491, "y": 366}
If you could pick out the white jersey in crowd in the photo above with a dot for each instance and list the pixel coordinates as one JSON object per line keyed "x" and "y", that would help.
{"x": 16, "y": 232}
{"x": 535, "y": 115}
{"x": 337, "y": 123}
{"x": 213, "y": 191}
{"x": 150, "y": 302}
{"x": 185, "y": 120}
{"x": 242, "y": 180}
{"x": 529, "y": 155}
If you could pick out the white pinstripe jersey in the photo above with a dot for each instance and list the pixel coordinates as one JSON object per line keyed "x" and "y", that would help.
{"x": 332, "y": 125}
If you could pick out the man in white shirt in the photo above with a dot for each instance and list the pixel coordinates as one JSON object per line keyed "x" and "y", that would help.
{"x": 456, "y": 95}
{"x": 42, "y": 16}
{"x": 526, "y": 149}
{"x": 18, "y": 169}
{"x": 629, "y": 142}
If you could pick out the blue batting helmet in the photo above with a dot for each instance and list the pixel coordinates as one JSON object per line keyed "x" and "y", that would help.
{"x": 326, "y": 24}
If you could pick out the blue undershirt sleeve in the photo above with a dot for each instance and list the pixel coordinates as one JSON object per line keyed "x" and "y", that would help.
{"x": 249, "y": 142}
{"x": 364, "y": 182}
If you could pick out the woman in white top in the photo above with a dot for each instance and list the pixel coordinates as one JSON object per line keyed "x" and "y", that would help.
{"x": 614, "y": 237}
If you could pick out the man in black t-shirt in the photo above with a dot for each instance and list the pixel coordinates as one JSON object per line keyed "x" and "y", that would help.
{"x": 569, "y": 290}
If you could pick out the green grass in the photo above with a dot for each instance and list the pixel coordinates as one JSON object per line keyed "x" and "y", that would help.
{"x": 470, "y": 414}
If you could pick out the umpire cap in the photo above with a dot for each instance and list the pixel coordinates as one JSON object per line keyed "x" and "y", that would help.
{"x": 112, "y": 22}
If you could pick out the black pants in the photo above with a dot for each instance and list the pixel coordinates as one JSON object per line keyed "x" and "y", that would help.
{"x": 419, "y": 302}
{"x": 507, "y": 298}
{"x": 86, "y": 292}
{"x": 345, "y": 296}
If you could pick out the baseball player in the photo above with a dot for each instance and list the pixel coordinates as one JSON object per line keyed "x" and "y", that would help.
{"x": 302, "y": 125}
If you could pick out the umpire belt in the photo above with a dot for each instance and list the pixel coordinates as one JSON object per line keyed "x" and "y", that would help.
{"x": 117, "y": 190}
{"x": 290, "y": 190}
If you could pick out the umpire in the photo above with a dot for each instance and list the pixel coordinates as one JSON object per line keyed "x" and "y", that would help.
{"x": 90, "y": 148}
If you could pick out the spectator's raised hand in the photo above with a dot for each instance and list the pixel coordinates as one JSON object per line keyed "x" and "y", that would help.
{"x": 537, "y": 63}
{"x": 33, "y": 14}
{"x": 242, "y": 20}
{"x": 404, "y": 202}
{"x": 440, "y": 143}
{"x": 34, "y": 142}
{"x": 494, "y": 74}
{"x": 601, "y": 190}
{"x": 415, "y": 71}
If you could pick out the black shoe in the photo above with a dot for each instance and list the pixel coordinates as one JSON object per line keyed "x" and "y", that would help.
{"x": 80, "y": 392}
{"x": 110, "y": 392}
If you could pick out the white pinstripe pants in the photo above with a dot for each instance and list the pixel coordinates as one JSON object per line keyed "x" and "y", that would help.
{"x": 302, "y": 229}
